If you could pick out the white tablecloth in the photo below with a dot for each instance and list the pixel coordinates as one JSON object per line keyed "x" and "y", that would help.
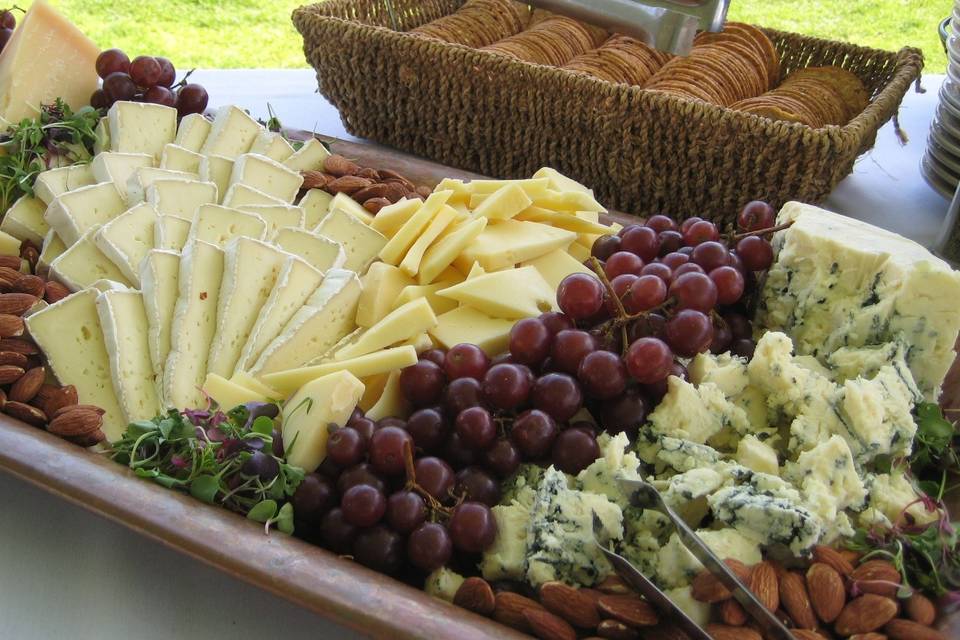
{"x": 67, "y": 574}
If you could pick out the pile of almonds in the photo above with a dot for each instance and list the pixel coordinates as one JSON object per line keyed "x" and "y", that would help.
{"x": 372, "y": 188}
{"x": 27, "y": 392}
{"x": 838, "y": 596}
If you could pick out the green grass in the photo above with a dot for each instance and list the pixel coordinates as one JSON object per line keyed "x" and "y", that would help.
{"x": 258, "y": 33}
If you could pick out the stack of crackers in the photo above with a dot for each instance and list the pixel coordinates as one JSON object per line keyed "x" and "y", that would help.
{"x": 815, "y": 96}
{"x": 723, "y": 68}
{"x": 478, "y": 23}
{"x": 621, "y": 59}
{"x": 554, "y": 41}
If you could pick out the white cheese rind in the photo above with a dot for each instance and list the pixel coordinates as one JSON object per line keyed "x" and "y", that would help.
{"x": 217, "y": 169}
{"x": 309, "y": 157}
{"x": 116, "y": 167}
{"x": 171, "y": 233}
{"x": 159, "y": 283}
{"x": 140, "y": 127}
{"x": 177, "y": 158}
{"x": 126, "y": 239}
{"x": 193, "y": 132}
{"x": 53, "y": 182}
{"x": 232, "y": 133}
{"x": 24, "y": 220}
{"x": 141, "y": 179}
{"x": 272, "y": 145}
{"x": 71, "y": 214}
{"x": 180, "y": 198}
{"x": 83, "y": 264}
{"x": 319, "y": 251}
{"x": 277, "y": 216}
{"x": 266, "y": 175}
{"x": 219, "y": 225}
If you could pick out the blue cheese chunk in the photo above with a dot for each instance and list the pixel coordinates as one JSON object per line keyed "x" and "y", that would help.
{"x": 443, "y": 583}
{"x": 766, "y": 519}
{"x": 507, "y": 558}
{"x": 758, "y": 456}
{"x": 683, "y": 455}
{"x": 697, "y": 611}
{"x": 696, "y": 413}
{"x": 614, "y": 464}
{"x": 892, "y": 499}
{"x": 879, "y": 413}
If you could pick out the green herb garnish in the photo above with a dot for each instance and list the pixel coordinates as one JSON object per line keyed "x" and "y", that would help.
{"x": 57, "y": 137}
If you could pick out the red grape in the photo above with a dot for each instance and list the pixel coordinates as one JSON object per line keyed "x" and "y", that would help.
{"x": 99, "y": 100}
{"x": 503, "y": 458}
{"x": 530, "y": 342}
{"x": 710, "y": 255}
{"x": 365, "y": 427}
{"x": 168, "y": 74}
{"x": 428, "y": 429}
{"x": 429, "y": 546}
{"x": 506, "y": 386}
{"x": 336, "y": 533}
{"x": 733, "y": 260}
{"x": 642, "y": 241}
{"x": 694, "y": 291}
{"x": 556, "y": 322}
{"x": 392, "y": 421}
{"x": 476, "y": 428}
{"x": 461, "y": 394}
{"x": 476, "y": 485}
{"x": 722, "y": 337}
{"x": 604, "y": 247}
{"x": 659, "y": 270}
{"x": 112, "y": 61}
{"x": 670, "y": 241}
{"x": 145, "y": 71}
{"x": 675, "y": 259}
{"x": 739, "y": 325}
{"x": 362, "y": 473}
{"x": 261, "y": 465}
{"x": 624, "y": 414}
{"x": 698, "y": 232}
{"x": 557, "y": 394}
{"x": 434, "y": 476}
{"x": 622, "y": 283}
{"x": 569, "y": 348}
{"x": 622, "y": 262}
{"x": 657, "y": 390}
{"x": 315, "y": 495}
{"x": 458, "y": 454}
{"x": 472, "y": 527}
{"x": 363, "y": 506}
{"x": 743, "y": 347}
{"x": 387, "y": 450}
{"x": 689, "y": 222}
{"x": 645, "y": 294}
{"x": 160, "y": 95}
{"x": 603, "y": 375}
{"x": 192, "y": 98}
{"x": 5, "y": 36}
{"x": 574, "y": 450}
{"x": 729, "y": 283}
{"x": 661, "y": 223}
{"x": 649, "y": 360}
{"x": 119, "y": 86}
{"x": 650, "y": 325}
{"x": 689, "y": 332}
{"x": 422, "y": 383}
{"x": 346, "y": 447}
{"x": 406, "y": 510}
{"x": 755, "y": 253}
{"x": 755, "y": 216}
{"x": 436, "y": 356}
{"x": 465, "y": 361}
{"x": 687, "y": 251}
{"x": 8, "y": 20}
{"x": 379, "y": 549}
{"x": 533, "y": 433}
{"x": 690, "y": 267}
{"x": 580, "y": 295}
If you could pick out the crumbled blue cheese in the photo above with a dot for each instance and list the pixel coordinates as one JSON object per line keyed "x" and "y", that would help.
{"x": 890, "y": 495}
{"x": 696, "y": 413}
{"x": 522, "y": 485}
{"x": 878, "y": 414}
{"x": 443, "y": 583}
{"x": 766, "y": 519}
{"x": 697, "y": 611}
{"x": 676, "y": 566}
{"x": 614, "y": 464}
{"x": 758, "y": 456}
{"x": 507, "y": 558}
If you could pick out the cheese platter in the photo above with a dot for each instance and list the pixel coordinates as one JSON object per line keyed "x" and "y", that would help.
{"x": 419, "y": 385}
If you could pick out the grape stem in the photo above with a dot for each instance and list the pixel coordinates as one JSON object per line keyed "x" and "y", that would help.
{"x": 434, "y": 505}
{"x": 763, "y": 232}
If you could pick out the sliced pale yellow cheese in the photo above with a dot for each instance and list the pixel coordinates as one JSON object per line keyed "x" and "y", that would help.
{"x": 116, "y": 167}
{"x": 446, "y": 250}
{"x": 232, "y": 133}
{"x": 219, "y": 225}
{"x": 228, "y": 394}
{"x": 101, "y": 136}
{"x": 421, "y": 342}
{"x": 181, "y": 198}
{"x": 244, "y": 379}
{"x": 381, "y": 285}
{"x": 159, "y": 283}
{"x": 266, "y": 175}
{"x": 372, "y": 390}
{"x": 391, "y": 403}
{"x": 126, "y": 239}
{"x": 438, "y": 303}
{"x": 560, "y": 182}
{"x": 315, "y": 205}
{"x": 51, "y": 183}
{"x": 309, "y": 157}
{"x": 563, "y": 220}
{"x": 242, "y": 195}
{"x": 307, "y": 417}
{"x": 53, "y": 247}
{"x": 72, "y": 213}
{"x": 171, "y": 233}
{"x": 272, "y": 145}
{"x": 389, "y": 219}
{"x": 568, "y": 201}
{"x": 397, "y": 247}
{"x": 24, "y": 220}
{"x": 319, "y": 251}
{"x": 141, "y": 179}
{"x": 177, "y": 158}
{"x": 503, "y": 204}
{"x": 217, "y": 169}
{"x": 83, "y": 264}
{"x": 578, "y": 252}
{"x": 193, "y": 131}
{"x": 277, "y": 216}
{"x": 371, "y": 364}
{"x": 476, "y": 270}
{"x": 514, "y": 293}
{"x": 141, "y": 127}
{"x": 411, "y": 262}
{"x": 509, "y": 242}
{"x": 533, "y": 187}
{"x": 345, "y": 203}
{"x": 467, "y": 325}
{"x": 555, "y": 266}
{"x": 361, "y": 242}
{"x": 399, "y": 325}
{"x": 9, "y": 246}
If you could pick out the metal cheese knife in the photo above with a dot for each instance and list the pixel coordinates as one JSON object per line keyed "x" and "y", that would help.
{"x": 643, "y": 494}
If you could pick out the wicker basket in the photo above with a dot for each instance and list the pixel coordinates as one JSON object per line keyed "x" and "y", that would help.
{"x": 642, "y": 151}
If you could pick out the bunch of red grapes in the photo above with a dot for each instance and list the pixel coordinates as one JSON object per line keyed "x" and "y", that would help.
{"x": 145, "y": 79}
{"x": 7, "y": 24}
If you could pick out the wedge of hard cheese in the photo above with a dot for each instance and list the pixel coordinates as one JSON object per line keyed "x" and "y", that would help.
{"x": 309, "y": 413}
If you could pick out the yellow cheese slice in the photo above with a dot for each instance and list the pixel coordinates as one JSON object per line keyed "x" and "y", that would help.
{"x": 514, "y": 293}
{"x": 307, "y": 417}
{"x": 443, "y": 254}
{"x": 476, "y": 270}
{"x": 439, "y": 304}
{"x": 396, "y": 248}
{"x": 560, "y": 182}
{"x": 467, "y": 325}
{"x": 343, "y": 202}
{"x": 399, "y": 325}
{"x": 555, "y": 266}
{"x": 229, "y": 394}
{"x": 422, "y": 342}
{"x": 411, "y": 262}
{"x": 533, "y": 187}
{"x": 568, "y": 201}
{"x": 372, "y": 390}
{"x": 9, "y": 246}
{"x": 563, "y": 220}
{"x": 503, "y": 204}
{"x": 510, "y": 242}
{"x": 389, "y": 220}
{"x": 244, "y": 379}
{"x": 381, "y": 285}
{"x": 371, "y": 364}
{"x": 579, "y": 252}
{"x": 392, "y": 403}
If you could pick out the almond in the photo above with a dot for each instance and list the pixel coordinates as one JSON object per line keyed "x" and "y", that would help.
{"x": 832, "y": 557}
{"x": 868, "y": 636}
{"x": 616, "y": 630}
{"x": 725, "y": 632}
{"x": 370, "y": 174}
{"x": 826, "y": 590}
{"x": 509, "y": 607}
{"x": 20, "y": 345}
{"x": 806, "y": 634}
{"x": 628, "y": 609}
{"x": 706, "y": 587}
{"x": 9, "y": 275}
{"x": 88, "y": 440}
{"x": 577, "y": 608}
{"x": 25, "y": 413}
{"x": 84, "y": 407}
{"x": 796, "y": 600}
{"x": 475, "y": 594}
{"x": 54, "y": 292}
{"x": 732, "y": 613}
{"x": 851, "y": 556}
{"x": 867, "y": 613}
{"x": 75, "y": 421}
{"x": 347, "y": 184}
{"x": 315, "y": 179}
{"x": 547, "y": 626}
{"x": 614, "y": 584}
{"x": 34, "y": 285}
{"x": 374, "y": 205}
{"x": 909, "y": 630}
{"x": 14, "y": 358}
{"x": 395, "y": 191}
{"x": 10, "y": 262}
{"x": 765, "y": 585}
{"x": 31, "y": 254}
{"x": 424, "y": 192}
{"x": 373, "y": 191}
{"x": 10, "y": 325}
{"x": 920, "y": 609}
{"x": 390, "y": 175}
{"x": 16, "y": 303}
{"x": 338, "y": 166}
{"x": 24, "y": 389}
{"x": 10, "y": 373}
{"x": 877, "y": 576}
{"x": 59, "y": 399}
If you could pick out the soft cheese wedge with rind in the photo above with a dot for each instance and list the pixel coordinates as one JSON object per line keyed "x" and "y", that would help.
{"x": 171, "y": 233}
{"x": 250, "y": 273}
{"x": 219, "y": 225}
{"x": 181, "y": 198}
{"x": 315, "y": 205}
{"x": 327, "y": 316}
{"x": 308, "y": 414}
{"x": 514, "y": 293}
{"x": 177, "y": 158}
{"x": 266, "y": 175}
{"x": 277, "y": 216}
{"x": 194, "y": 324}
{"x": 193, "y": 132}
{"x": 71, "y": 337}
{"x": 53, "y": 182}
{"x": 243, "y": 195}
{"x": 319, "y": 251}
{"x": 297, "y": 282}
{"x": 272, "y": 145}
{"x": 83, "y": 264}
{"x": 126, "y": 239}
{"x": 141, "y": 127}
{"x": 71, "y": 214}
{"x": 837, "y": 282}
{"x": 399, "y": 325}
{"x": 124, "y": 323}
{"x": 116, "y": 167}
{"x": 53, "y": 248}
{"x": 24, "y": 220}
{"x": 371, "y": 364}
{"x": 361, "y": 243}
{"x": 232, "y": 133}
{"x": 309, "y": 157}
{"x": 217, "y": 169}
{"x": 159, "y": 283}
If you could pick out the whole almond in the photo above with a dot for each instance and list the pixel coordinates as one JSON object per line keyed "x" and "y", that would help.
{"x": 59, "y": 399}
{"x": 25, "y": 413}
{"x": 76, "y": 421}
{"x": 832, "y": 557}
{"x": 851, "y": 556}
{"x": 547, "y": 626}
{"x": 628, "y": 609}
{"x": 10, "y": 262}
{"x": 13, "y": 358}
{"x": 369, "y": 173}
{"x": 706, "y": 587}
{"x": 732, "y": 613}
{"x": 424, "y": 192}
{"x": 34, "y": 285}
{"x": 10, "y": 373}
{"x": 54, "y": 292}
{"x": 337, "y": 166}
{"x": 90, "y": 408}
{"x": 765, "y": 585}
{"x": 31, "y": 254}
{"x": 613, "y": 584}
{"x": 616, "y": 630}
{"x": 16, "y": 303}
{"x": 395, "y": 191}
{"x": 87, "y": 440}
{"x": 577, "y": 608}
{"x": 509, "y": 607}
{"x": 374, "y": 205}
{"x": 877, "y": 576}
{"x": 10, "y": 325}
{"x": 900, "y": 629}
{"x": 475, "y": 594}
{"x": 867, "y": 613}
{"x": 315, "y": 179}
{"x": 347, "y": 184}
{"x": 373, "y": 191}
{"x": 24, "y": 389}
{"x": 796, "y": 600}
{"x": 9, "y": 275}
{"x": 920, "y": 609}
{"x": 868, "y": 636}
{"x": 725, "y": 632}
{"x": 806, "y": 634}
{"x": 20, "y": 345}
{"x": 826, "y": 590}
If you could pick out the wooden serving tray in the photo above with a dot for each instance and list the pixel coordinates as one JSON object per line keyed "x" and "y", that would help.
{"x": 341, "y": 590}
